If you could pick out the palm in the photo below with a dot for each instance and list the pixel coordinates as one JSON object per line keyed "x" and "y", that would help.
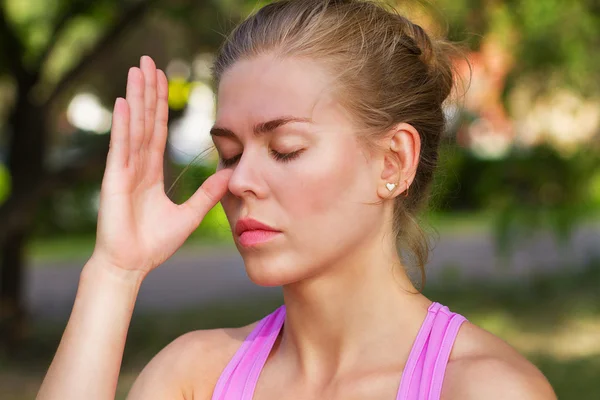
{"x": 139, "y": 227}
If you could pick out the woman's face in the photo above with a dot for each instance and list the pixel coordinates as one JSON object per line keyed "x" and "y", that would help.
{"x": 297, "y": 167}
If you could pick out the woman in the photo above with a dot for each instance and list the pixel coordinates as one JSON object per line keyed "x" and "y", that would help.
{"x": 329, "y": 118}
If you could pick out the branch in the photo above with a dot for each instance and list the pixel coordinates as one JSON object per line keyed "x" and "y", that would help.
{"x": 131, "y": 16}
{"x": 13, "y": 50}
{"x": 77, "y": 7}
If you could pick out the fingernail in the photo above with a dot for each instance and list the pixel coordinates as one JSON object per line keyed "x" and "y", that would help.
{"x": 133, "y": 73}
{"x": 118, "y": 102}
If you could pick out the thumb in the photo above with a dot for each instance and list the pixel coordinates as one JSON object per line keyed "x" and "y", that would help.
{"x": 207, "y": 196}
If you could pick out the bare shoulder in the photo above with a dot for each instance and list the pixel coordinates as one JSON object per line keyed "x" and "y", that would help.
{"x": 189, "y": 366}
{"x": 483, "y": 366}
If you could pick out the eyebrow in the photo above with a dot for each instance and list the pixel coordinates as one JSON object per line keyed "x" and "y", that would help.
{"x": 261, "y": 128}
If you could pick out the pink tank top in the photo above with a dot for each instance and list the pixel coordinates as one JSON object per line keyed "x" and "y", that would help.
{"x": 421, "y": 380}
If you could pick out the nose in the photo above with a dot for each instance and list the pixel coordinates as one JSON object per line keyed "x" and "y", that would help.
{"x": 247, "y": 178}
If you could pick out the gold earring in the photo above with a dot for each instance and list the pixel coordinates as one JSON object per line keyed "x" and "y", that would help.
{"x": 406, "y": 192}
{"x": 390, "y": 186}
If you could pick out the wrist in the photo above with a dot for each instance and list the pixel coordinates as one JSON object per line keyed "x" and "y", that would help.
{"x": 98, "y": 268}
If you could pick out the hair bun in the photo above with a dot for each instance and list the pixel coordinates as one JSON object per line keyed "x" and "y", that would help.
{"x": 424, "y": 43}
{"x": 437, "y": 60}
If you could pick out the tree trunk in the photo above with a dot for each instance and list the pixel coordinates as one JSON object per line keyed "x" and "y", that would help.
{"x": 12, "y": 309}
{"x": 26, "y": 150}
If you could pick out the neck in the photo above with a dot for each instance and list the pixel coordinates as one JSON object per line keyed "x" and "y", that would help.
{"x": 352, "y": 314}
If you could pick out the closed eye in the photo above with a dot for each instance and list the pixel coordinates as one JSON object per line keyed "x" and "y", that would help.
{"x": 285, "y": 157}
{"x": 282, "y": 157}
{"x": 228, "y": 162}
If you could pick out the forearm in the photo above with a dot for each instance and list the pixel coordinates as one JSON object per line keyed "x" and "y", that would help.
{"x": 88, "y": 359}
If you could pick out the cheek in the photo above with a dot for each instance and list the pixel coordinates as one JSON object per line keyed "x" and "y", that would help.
{"x": 327, "y": 183}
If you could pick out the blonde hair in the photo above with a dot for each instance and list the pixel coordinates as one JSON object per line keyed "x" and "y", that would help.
{"x": 388, "y": 69}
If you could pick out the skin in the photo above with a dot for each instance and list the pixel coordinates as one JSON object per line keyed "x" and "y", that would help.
{"x": 348, "y": 300}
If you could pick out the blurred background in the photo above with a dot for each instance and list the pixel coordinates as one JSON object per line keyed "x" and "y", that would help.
{"x": 515, "y": 214}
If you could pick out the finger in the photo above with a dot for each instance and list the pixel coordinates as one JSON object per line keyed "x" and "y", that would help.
{"x": 149, "y": 70}
{"x": 161, "y": 120}
{"x": 135, "y": 99}
{"x": 118, "y": 148}
{"x": 207, "y": 196}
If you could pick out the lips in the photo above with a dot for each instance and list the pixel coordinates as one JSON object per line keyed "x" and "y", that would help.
{"x": 251, "y": 232}
{"x": 249, "y": 224}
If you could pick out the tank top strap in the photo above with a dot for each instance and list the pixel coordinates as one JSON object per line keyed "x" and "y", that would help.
{"x": 442, "y": 344}
{"x": 238, "y": 379}
{"x": 411, "y": 376}
{"x": 423, "y": 373}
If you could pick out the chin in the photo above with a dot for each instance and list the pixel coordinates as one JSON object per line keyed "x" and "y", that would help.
{"x": 272, "y": 269}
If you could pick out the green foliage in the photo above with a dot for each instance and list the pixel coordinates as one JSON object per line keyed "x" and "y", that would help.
{"x": 574, "y": 378}
{"x": 554, "y": 41}
{"x": 73, "y": 211}
{"x": 34, "y": 22}
{"x": 464, "y": 19}
{"x": 528, "y": 191}
{"x": 4, "y": 183}
{"x": 214, "y": 226}
{"x": 82, "y": 34}
{"x": 69, "y": 211}
{"x": 558, "y": 37}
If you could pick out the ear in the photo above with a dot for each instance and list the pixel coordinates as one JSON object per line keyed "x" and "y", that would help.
{"x": 400, "y": 158}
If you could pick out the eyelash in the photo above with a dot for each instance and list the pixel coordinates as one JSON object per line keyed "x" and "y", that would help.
{"x": 278, "y": 156}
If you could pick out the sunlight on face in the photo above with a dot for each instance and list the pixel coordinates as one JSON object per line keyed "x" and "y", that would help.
{"x": 298, "y": 167}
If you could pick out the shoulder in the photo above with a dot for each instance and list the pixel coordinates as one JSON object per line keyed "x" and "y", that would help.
{"x": 483, "y": 366}
{"x": 190, "y": 365}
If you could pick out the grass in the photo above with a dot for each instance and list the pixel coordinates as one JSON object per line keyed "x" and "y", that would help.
{"x": 459, "y": 223}
{"x": 79, "y": 247}
{"x": 554, "y": 321}
{"x": 60, "y": 248}
{"x": 44, "y": 251}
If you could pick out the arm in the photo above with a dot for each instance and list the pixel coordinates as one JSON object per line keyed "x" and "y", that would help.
{"x": 89, "y": 356}
{"x": 139, "y": 228}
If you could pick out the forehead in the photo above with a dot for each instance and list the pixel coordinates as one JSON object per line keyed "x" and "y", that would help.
{"x": 267, "y": 87}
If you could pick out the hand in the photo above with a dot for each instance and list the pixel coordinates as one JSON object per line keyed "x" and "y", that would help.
{"x": 139, "y": 227}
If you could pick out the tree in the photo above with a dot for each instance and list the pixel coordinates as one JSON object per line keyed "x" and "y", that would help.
{"x": 28, "y": 141}
{"x": 44, "y": 78}
{"x": 553, "y": 41}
